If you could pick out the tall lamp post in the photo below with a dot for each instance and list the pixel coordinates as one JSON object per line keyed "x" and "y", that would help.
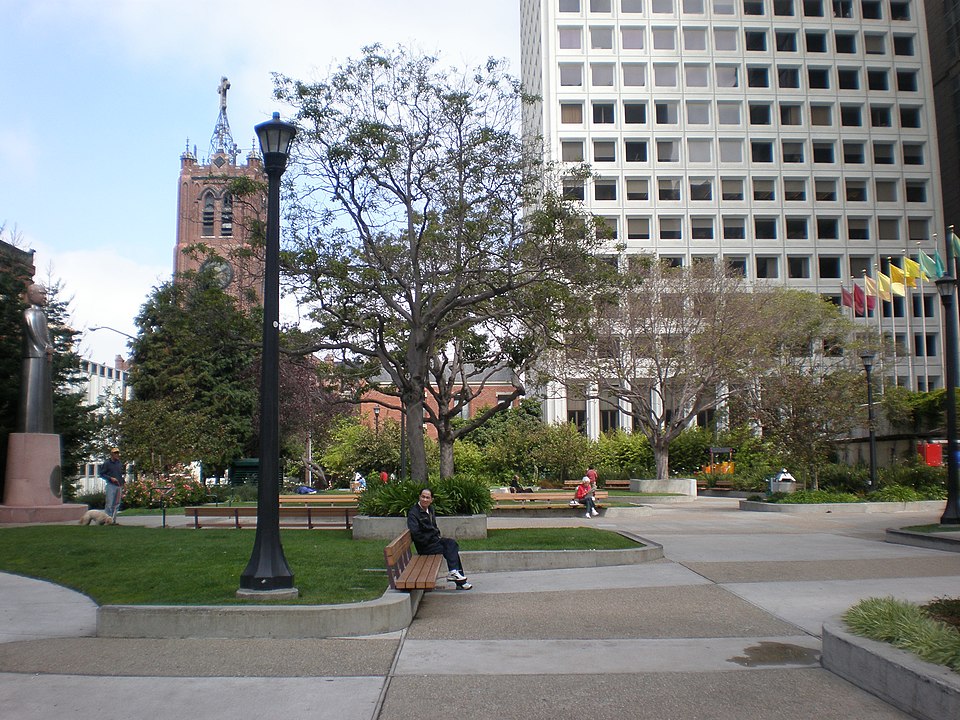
{"x": 268, "y": 572}
{"x": 376, "y": 419}
{"x": 947, "y": 286}
{"x": 867, "y": 358}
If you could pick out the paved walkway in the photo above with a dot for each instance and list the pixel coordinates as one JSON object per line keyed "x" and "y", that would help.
{"x": 726, "y": 626}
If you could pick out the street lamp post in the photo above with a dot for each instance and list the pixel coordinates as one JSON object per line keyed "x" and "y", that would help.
{"x": 947, "y": 286}
{"x": 376, "y": 419}
{"x": 867, "y": 358}
{"x": 267, "y": 571}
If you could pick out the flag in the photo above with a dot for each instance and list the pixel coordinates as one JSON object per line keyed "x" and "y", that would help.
{"x": 846, "y": 299}
{"x": 888, "y": 288}
{"x": 873, "y": 292}
{"x": 911, "y": 269}
{"x": 956, "y": 244}
{"x": 859, "y": 301}
{"x": 932, "y": 267}
{"x": 898, "y": 281}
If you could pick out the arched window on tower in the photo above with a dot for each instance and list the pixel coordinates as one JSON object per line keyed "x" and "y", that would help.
{"x": 226, "y": 215}
{"x": 208, "y": 213}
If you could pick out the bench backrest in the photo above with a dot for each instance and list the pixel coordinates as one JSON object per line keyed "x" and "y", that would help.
{"x": 545, "y": 496}
{"x": 396, "y": 556}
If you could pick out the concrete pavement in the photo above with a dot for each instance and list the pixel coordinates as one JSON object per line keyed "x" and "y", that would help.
{"x": 727, "y": 625}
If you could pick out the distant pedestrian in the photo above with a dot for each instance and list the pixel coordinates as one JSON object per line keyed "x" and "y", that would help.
{"x": 113, "y": 474}
{"x": 592, "y": 474}
{"x": 585, "y": 497}
{"x": 422, "y": 523}
{"x": 384, "y": 478}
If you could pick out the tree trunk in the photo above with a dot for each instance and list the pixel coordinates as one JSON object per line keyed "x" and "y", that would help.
{"x": 661, "y": 454}
{"x": 415, "y": 446}
{"x": 445, "y": 440}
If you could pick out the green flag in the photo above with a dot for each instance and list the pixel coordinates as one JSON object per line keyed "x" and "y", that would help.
{"x": 933, "y": 269}
{"x": 956, "y": 244}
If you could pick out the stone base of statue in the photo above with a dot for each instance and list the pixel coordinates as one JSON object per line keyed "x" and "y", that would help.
{"x": 32, "y": 490}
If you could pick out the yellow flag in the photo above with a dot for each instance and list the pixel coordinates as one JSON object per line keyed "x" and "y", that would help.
{"x": 870, "y": 287}
{"x": 888, "y": 288}
{"x": 912, "y": 271}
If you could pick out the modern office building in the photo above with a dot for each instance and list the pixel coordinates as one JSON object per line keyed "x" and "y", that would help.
{"x": 793, "y": 140}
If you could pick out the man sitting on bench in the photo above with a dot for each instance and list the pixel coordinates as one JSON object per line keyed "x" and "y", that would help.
{"x": 422, "y": 523}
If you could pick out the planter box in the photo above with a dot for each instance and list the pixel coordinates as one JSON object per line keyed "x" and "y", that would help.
{"x": 844, "y": 508}
{"x": 366, "y": 527}
{"x": 676, "y": 486}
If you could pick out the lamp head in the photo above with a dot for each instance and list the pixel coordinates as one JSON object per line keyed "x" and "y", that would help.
{"x": 275, "y": 138}
{"x": 866, "y": 357}
{"x": 946, "y": 286}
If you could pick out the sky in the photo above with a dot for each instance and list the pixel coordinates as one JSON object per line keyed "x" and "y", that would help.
{"x": 99, "y": 98}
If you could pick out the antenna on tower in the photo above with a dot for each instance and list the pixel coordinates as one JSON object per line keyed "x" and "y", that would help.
{"x": 221, "y": 142}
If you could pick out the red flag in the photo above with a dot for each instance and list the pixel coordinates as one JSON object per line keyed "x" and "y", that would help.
{"x": 862, "y": 301}
{"x": 846, "y": 299}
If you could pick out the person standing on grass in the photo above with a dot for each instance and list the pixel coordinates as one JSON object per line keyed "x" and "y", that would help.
{"x": 422, "y": 523}
{"x": 112, "y": 472}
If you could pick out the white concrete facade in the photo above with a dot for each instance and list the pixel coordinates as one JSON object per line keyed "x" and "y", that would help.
{"x": 792, "y": 139}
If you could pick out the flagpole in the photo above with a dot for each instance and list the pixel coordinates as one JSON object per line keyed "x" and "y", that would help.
{"x": 909, "y": 325}
{"x": 923, "y": 326}
{"x": 893, "y": 330}
{"x": 878, "y": 312}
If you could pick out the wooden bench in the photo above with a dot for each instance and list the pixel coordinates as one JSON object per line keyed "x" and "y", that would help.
{"x": 407, "y": 571}
{"x": 617, "y": 484}
{"x": 542, "y": 500}
{"x": 319, "y": 499}
{"x": 722, "y": 486}
{"x": 246, "y": 515}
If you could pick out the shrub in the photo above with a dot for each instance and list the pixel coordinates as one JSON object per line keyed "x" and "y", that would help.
{"x": 96, "y": 500}
{"x": 913, "y": 474}
{"x": 148, "y": 492}
{"x": 458, "y": 495}
{"x": 844, "y": 478}
{"x": 803, "y": 497}
{"x": 895, "y": 493}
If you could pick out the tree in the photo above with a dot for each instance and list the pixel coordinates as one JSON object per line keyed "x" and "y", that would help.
{"x": 194, "y": 390}
{"x": 428, "y": 244}
{"x": 668, "y": 343}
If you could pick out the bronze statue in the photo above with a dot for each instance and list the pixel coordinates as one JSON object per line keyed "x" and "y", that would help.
{"x": 36, "y": 390}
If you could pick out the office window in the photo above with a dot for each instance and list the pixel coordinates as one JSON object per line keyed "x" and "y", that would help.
{"x": 761, "y": 151}
{"x": 915, "y": 191}
{"x": 662, "y": 7}
{"x": 883, "y": 153}
{"x": 694, "y": 39}
{"x": 846, "y": 43}
{"x": 601, "y": 74}
{"x": 571, "y": 150}
{"x": 731, "y": 188}
{"x": 821, "y": 115}
{"x": 829, "y": 267}
{"x": 664, "y": 75}
{"x": 599, "y": 6}
{"x": 728, "y": 113}
{"x": 903, "y": 45}
{"x": 604, "y": 151}
{"x": 734, "y": 228}
{"x": 601, "y": 38}
{"x": 571, "y": 113}
{"x": 790, "y": 114}
{"x": 698, "y": 113}
{"x": 736, "y": 265}
{"x": 569, "y": 6}
{"x": 759, "y": 114}
{"x": 638, "y": 189}
{"x": 668, "y": 189}
{"x": 825, "y": 189}
{"x": 848, "y": 79}
{"x": 753, "y": 7}
{"x": 605, "y": 190}
{"x": 692, "y": 7}
{"x": 875, "y": 44}
{"x": 671, "y": 228}
{"x": 664, "y": 38}
{"x": 798, "y": 267}
{"x": 631, "y": 6}
{"x": 788, "y": 77}
{"x": 701, "y": 189}
{"x": 727, "y": 76}
{"x": 765, "y": 228}
{"x": 696, "y": 75}
{"x": 797, "y": 228}
{"x": 571, "y": 38}
{"x": 786, "y": 41}
{"x": 912, "y": 154}
{"x": 635, "y": 151}
{"x": 794, "y": 189}
{"x": 899, "y": 10}
{"x": 723, "y": 7}
{"x": 573, "y": 189}
{"x": 724, "y": 39}
{"x": 851, "y": 115}
{"x": 842, "y": 8}
{"x": 634, "y": 74}
{"x": 818, "y": 78}
{"x": 881, "y": 116}
{"x": 792, "y": 151}
{"x": 755, "y": 40}
{"x": 853, "y": 152}
{"x": 858, "y": 228}
{"x": 909, "y": 117}
{"x": 638, "y": 228}
{"x": 631, "y": 38}
{"x": 856, "y": 190}
{"x": 871, "y": 10}
{"x": 758, "y": 77}
{"x": 828, "y": 228}
{"x": 635, "y": 113}
{"x": 816, "y": 41}
{"x": 571, "y": 75}
{"x": 603, "y": 113}
{"x": 885, "y": 190}
{"x": 732, "y": 151}
{"x": 668, "y": 151}
{"x": 699, "y": 150}
{"x": 823, "y": 151}
{"x": 667, "y": 112}
{"x": 767, "y": 267}
{"x": 907, "y": 81}
{"x": 701, "y": 228}
{"x": 764, "y": 190}
{"x": 877, "y": 80}
{"x": 813, "y": 8}
{"x": 783, "y": 8}
{"x": 918, "y": 229}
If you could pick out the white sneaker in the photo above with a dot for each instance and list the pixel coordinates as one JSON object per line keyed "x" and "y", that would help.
{"x": 456, "y": 576}
{"x": 464, "y": 586}
{"x": 588, "y": 515}
{"x": 594, "y": 512}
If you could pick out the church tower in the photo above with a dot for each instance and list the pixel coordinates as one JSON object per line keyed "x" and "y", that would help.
{"x": 213, "y": 221}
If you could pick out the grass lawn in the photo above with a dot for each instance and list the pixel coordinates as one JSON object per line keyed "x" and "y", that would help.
{"x": 152, "y": 566}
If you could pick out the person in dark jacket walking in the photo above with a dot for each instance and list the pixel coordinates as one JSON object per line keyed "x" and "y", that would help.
{"x": 422, "y": 523}
{"x": 113, "y": 474}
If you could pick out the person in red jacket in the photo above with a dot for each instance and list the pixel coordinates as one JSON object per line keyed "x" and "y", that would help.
{"x": 584, "y": 496}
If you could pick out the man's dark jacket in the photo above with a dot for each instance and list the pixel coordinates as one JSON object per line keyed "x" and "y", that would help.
{"x": 423, "y": 530}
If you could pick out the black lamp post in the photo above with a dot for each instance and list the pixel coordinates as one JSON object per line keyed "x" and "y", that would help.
{"x": 267, "y": 571}
{"x": 376, "y": 419}
{"x": 867, "y": 358}
{"x": 947, "y": 286}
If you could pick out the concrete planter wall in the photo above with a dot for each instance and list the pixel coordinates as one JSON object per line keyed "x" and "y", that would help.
{"x": 678, "y": 486}
{"x": 366, "y": 527}
{"x": 844, "y": 508}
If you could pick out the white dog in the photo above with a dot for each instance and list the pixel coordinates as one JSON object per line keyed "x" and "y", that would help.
{"x": 96, "y": 516}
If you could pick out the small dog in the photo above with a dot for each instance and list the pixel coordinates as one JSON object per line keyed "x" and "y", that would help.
{"x": 98, "y": 517}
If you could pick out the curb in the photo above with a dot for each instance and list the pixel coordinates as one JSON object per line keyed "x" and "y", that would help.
{"x": 843, "y": 508}
{"x": 932, "y": 541}
{"x": 489, "y": 561}
{"x": 924, "y": 690}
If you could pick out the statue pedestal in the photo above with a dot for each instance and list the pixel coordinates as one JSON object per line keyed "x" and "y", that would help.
{"x": 32, "y": 490}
